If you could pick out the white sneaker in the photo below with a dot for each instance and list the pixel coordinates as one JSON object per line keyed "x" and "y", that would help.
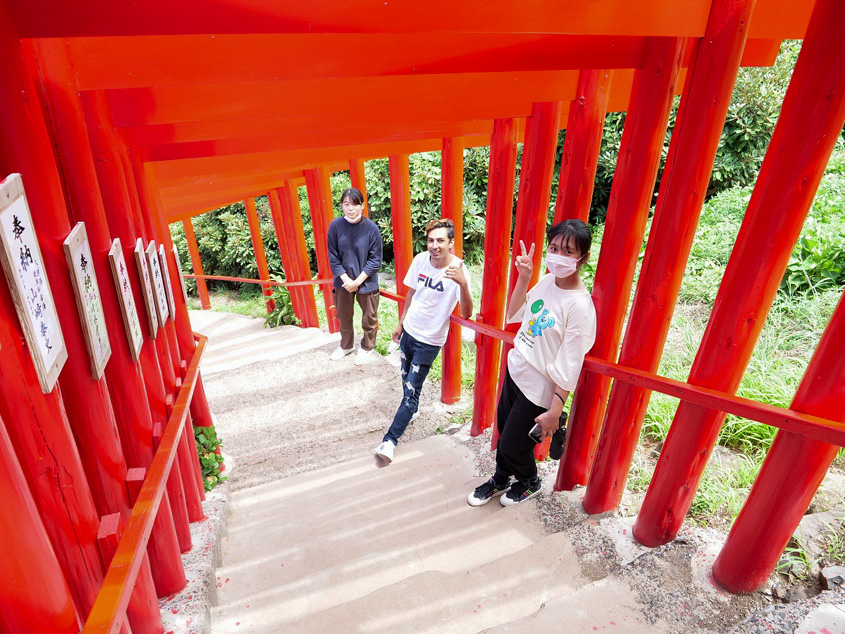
{"x": 363, "y": 356}
{"x": 340, "y": 353}
{"x": 385, "y": 451}
{"x": 414, "y": 416}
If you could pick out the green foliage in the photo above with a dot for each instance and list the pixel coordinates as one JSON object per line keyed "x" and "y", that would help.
{"x": 282, "y": 314}
{"x": 211, "y": 461}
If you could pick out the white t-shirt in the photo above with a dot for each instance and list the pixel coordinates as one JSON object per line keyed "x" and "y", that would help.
{"x": 558, "y": 327}
{"x": 435, "y": 297}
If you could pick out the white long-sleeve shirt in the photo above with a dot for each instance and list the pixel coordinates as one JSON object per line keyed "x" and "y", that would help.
{"x": 558, "y": 327}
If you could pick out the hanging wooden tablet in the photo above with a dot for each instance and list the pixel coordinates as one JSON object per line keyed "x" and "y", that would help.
{"x": 165, "y": 276}
{"x": 30, "y": 289}
{"x": 87, "y": 295}
{"x": 157, "y": 283}
{"x": 131, "y": 321}
{"x": 181, "y": 275}
{"x": 147, "y": 286}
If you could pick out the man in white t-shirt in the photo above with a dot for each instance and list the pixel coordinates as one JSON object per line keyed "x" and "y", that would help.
{"x": 437, "y": 281}
{"x": 557, "y": 328}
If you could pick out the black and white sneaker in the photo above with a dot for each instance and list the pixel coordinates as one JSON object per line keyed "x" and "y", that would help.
{"x": 521, "y": 492}
{"x": 486, "y": 492}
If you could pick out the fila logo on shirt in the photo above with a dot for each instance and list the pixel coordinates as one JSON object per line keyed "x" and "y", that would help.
{"x": 427, "y": 282}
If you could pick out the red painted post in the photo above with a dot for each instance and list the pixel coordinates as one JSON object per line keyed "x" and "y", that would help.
{"x": 791, "y": 473}
{"x": 358, "y": 176}
{"x": 191, "y": 478}
{"x": 452, "y": 207}
{"x": 500, "y": 185}
{"x": 292, "y": 217}
{"x": 581, "y": 145}
{"x": 196, "y": 263}
{"x": 811, "y": 118}
{"x": 400, "y": 213}
{"x": 319, "y": 186}
{"x": 630, "y": 199}
{"x": 287, "y": 252}
{"x": 260, "y": 256}
{"x": 168, "y": 579}
{"x": 532, "y": 205}
{"x": 142, "y": 616}
{"x": 692, "y": 150}
{"x": 34, "y": 596}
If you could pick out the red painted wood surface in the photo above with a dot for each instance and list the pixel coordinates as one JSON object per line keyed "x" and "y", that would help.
{"x": 692, "y": 150}
{"x": 196, "y": 263}
{"x": 811, "y": 118}
{"x": 400, "y": 213}
{"x": 289, "y": 265}
{"x": 582, "y": 144}
{"x": 318, "y": 184}
{"x": 258, "y": 247}
{"x": 289, "y": 197}
{"x": 627, "y": 212}
{"x": 452, "y": 206}
{"x": 358, "y": 178}
{"x": 500, "y": 185}
{"x": 782, "y": 492}
{"x": 28, "y": 560}
{"x": 114, "y": 595}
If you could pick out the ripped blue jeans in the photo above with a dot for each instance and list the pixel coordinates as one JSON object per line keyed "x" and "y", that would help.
{"x": 417, "y": 358}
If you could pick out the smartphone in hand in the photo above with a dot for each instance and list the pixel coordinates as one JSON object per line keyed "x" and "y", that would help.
{"x": 536, "y": 433}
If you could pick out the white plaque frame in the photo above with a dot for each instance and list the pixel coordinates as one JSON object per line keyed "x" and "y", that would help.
{"x": 23, "y": 265}
{"x": 147, "y": 287}
{"x": 165, "y": 274}
{"x": 87, "y": 294}
{"x": 131, "y": 320}
{"x": 178, "y": 261}
{"x": 157, "y": 283}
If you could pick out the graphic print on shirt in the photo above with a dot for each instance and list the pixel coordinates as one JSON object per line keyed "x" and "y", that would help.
{"x": 428, "y": 283}
{"x": 541, "y": 320}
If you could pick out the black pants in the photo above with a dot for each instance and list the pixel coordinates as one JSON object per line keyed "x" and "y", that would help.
{"x": 515, "y": 418}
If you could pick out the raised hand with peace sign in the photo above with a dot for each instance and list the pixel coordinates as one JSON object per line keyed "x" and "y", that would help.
{"x": 525, "y": 262}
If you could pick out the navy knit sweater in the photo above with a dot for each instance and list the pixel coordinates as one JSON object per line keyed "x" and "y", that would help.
{"x": 355, "y": 248}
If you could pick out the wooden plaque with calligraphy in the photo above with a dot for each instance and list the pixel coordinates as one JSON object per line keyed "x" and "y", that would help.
{"x": 131, "y": 321}
{"x": 165, "y": 275}
{"x": 157, "y": 283}
{"x": 87, "y": 294}
{"x": 30, "y": 289}
{"x": 181, "y": 275}
{"x": 147, "y": 287}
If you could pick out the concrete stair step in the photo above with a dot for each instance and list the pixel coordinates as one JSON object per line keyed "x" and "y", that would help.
{"x": 316, "y": 540}
{"x": 464, "y": 602}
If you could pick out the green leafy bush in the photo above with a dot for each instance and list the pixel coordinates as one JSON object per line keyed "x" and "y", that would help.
{"x": 282, "y": 314}
{"x": 210, "y": 459}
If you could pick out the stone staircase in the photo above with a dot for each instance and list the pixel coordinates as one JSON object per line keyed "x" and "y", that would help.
{"x": 357, "y": 547}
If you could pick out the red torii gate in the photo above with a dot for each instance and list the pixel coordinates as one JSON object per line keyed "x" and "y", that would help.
{"x": 131, "y": 117}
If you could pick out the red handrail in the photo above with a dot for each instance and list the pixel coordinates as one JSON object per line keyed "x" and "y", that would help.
{"x": 109, "y": 608}
{"x": 225, "y": 278}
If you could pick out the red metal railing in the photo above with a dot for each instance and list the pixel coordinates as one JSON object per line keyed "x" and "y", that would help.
{"x": 109, "y": 609}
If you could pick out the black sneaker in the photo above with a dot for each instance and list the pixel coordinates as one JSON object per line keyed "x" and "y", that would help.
{"x": 486, "y": 492}
{"x": 521, "y": 492}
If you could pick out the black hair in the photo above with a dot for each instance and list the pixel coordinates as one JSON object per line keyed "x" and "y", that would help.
{"x": 442, "y": 223}
{"x": 354, "y": 195}
{"x": 574, "y": 228}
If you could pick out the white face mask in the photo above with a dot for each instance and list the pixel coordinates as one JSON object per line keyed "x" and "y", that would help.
{"x": 561, "y": 265}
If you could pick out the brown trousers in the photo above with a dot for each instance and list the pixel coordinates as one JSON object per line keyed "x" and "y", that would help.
{"x": 345, "y": 308}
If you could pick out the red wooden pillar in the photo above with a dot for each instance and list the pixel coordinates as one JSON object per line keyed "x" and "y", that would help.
{"x": 811, "y": 118}
{"x": 581, "y": 145}
{"x": 500, "y": 185}
{"x": 452, "y": 207}
{"x": 532, "y": 206}
{"x": 34, "y": 596}
{"x": 292, "y": 220}
{"x": 133, "y": 412}
{"x": 400, "y": 213}
{"x": 630, "y": 198}
{"x": 285, "y": 250}
{"x": 260, "y": 256}
{"x": 791, "y": 473}
{"x": 319, "y": 186}
{"x": 196, "y": 263}
{"x": 358, "y": 177}
{"x": 691, "y": 153}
